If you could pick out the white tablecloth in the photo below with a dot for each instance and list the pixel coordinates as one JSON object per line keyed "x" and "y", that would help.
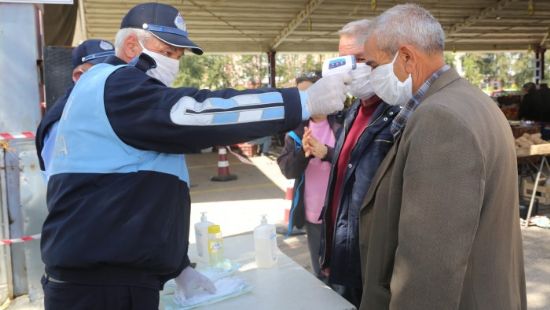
{"x": 285, "y": 286}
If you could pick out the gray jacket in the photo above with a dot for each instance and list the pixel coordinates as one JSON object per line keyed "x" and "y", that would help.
{"x": 439, "y": 228}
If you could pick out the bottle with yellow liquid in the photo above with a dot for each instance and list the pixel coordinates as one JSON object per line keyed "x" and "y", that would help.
{"x": 215, "y": 245}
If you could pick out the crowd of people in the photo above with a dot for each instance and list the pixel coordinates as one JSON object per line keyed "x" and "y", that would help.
{"x": 409, "y": 196}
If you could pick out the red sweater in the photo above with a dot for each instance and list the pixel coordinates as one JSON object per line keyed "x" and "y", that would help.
{"x": 359, "y": 125}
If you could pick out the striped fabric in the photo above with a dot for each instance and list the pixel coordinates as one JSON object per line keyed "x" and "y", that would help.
{"x": 400, "y": 120}
{"x": 236, "y": 110}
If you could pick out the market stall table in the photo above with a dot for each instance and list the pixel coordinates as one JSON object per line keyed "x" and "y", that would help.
{"x": 542, "y": 150}
{"x": 286, "y": 286}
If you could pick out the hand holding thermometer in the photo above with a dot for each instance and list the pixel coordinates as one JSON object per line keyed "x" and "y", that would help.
{"x": 338, "y": 65}
{"x": 359, "y": 86}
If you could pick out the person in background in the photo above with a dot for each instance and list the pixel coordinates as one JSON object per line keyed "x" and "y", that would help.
{"x": 359, "y": 149}
{"x": 439, "y": 227}
{"x": 530, "y": 102}
{"x": 83, "y": 57}
{"x": 544, "y": 92}
{"x": 311, "y": 171}
{"x": 303, "y": 82}
{"x": 264, "y": 144}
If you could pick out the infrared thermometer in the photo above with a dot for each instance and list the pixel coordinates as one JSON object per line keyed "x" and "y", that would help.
{"x": 341, "y": 64}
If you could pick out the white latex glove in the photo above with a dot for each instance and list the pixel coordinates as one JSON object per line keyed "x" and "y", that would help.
{"x": 360, "y": 86}
{"x": 190, "y": 282}
{"x": 328, "y": 94}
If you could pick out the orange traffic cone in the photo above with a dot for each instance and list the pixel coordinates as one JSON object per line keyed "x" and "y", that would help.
{"x": 223, "y": 167}
{"x": 289, "y": 193}
{"x": 283, "y": 228}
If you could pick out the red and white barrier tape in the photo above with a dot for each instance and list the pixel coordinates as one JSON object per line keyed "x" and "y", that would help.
{"x": 20, "y": 240}
{"x": 6, "y": 136}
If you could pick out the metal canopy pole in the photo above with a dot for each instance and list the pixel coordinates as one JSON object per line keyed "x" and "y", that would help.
{"x": 272, "y": 68}
{"x": 539, "y": 64}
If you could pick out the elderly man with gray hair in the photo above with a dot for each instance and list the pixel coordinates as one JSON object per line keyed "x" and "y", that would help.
{"x": 361, "y": 145}
{"x": 439, "y": 227}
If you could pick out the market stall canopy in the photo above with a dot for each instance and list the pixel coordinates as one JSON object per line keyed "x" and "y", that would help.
{"x": 221, "y": 26}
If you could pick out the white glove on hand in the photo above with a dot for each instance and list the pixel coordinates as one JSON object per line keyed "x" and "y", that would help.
{"x": 190, "y": 282}
{"x": 360, "y": 86}
{"x": 328, "y": 94}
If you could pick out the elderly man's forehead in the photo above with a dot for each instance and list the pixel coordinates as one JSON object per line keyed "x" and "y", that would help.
{"x": 371, "y": 49}
{"x": 373, "y": 55}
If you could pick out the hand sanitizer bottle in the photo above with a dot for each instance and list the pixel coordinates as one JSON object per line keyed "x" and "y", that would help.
{"x": 215, "y": 246}
{"x": 201, "y": 236}
{"x": 265, "y": 244}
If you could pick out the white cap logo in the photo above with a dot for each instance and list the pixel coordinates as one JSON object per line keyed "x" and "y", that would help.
{"x": 180, "y": 23}
{"x": 105, "y": 46}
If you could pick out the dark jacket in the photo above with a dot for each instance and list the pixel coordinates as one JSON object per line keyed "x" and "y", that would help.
{"x": 53, "y": 114}
{"x": 131, "y": 227}
{"x": 531, "y": 106}
{"x": 366, "y": 156}
{"x": 293, "y": 163}
{"x": 544, "y": 92}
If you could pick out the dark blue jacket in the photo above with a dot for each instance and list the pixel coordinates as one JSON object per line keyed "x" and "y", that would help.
{"x": 132, "y": 228}
{"x": 371, "y": 148}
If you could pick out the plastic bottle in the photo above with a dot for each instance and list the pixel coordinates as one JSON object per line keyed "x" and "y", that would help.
{"x": 215, "y": 245}
{"x": 201, "y": 235}
{"x": 265, "y": 244}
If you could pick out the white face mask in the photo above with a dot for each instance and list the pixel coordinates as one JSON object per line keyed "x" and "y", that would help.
{"x": 388, "y": 87}
{"x": 360, "y": 86}
{"x": 167, "y": 68}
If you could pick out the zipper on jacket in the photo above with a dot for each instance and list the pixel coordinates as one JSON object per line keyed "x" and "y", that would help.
{"x": 323, "y": 258}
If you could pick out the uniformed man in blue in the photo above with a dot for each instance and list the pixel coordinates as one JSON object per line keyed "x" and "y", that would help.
{"x": 83, "y": 57}
{"x": 118, "y": 193}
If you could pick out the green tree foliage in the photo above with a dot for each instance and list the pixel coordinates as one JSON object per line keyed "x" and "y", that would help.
{"x": 486, "y": 70}
{"x": 450, "y": 59}
{"x": 498, "y": 70}
{"x": 524, "y": 68}
{"x": 471, "y": 64}
{"x": 254, "y": 68}
{"x": 220, "y": 72}
{"x": 191, "y": 72}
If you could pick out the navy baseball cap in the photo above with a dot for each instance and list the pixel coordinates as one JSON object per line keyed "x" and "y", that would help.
{"x": 92, "y": 51}
{"x": 163, "y": 21}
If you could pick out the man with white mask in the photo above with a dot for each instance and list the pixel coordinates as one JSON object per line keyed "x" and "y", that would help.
{"x": 361, "y": 146}
{"x": 118, "y": 194}
{"x": 439, "y": 228}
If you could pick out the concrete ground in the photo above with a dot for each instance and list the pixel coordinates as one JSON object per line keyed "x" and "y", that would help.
{"x": 260, "y": 189}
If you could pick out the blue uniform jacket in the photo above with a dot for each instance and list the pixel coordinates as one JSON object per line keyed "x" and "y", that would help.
{"x": 132, "y": 228}
{"x": 52, "y": 116}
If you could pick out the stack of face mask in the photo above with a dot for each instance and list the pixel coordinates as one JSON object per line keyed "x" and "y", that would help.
{"x": 227, "y": 286}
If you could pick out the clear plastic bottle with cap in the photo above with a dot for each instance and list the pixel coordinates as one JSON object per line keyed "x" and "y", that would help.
{"x": 201, "y": 235}
{"x": 265, "y": 244}
{"x": 215, "y": 245}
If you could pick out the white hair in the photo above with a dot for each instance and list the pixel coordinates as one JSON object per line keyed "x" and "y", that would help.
{"x": 357, "y": 29}
{"x": 408, "y": 24}
{"x": 124, "y": 33}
